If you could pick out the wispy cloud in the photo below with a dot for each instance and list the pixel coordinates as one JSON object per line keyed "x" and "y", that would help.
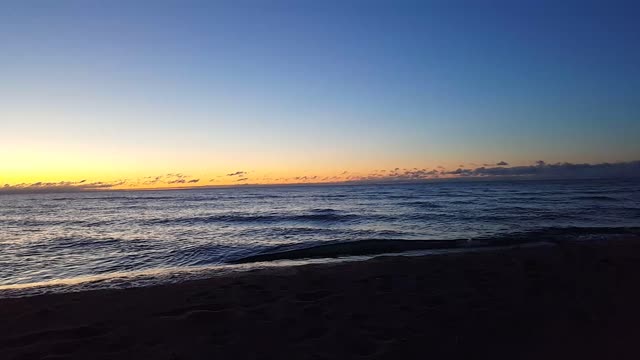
{"x": 168, "y": 179}
{"x": 306, "y": 178}
{"x": 61, "y": 186}
{"x": 500, "y": 163}
{"x": 151, "y": 180}
{"x": 237, "y": 173}
{"x": 83, "y": 185}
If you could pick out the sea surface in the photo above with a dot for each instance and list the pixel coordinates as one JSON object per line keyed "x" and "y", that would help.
{"x": 114, "y": 238}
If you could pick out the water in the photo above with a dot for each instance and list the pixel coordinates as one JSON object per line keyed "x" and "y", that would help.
{"x": 53, "y": 237}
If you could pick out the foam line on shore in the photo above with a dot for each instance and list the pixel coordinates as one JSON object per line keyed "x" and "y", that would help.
{"x": 377, "y": 246}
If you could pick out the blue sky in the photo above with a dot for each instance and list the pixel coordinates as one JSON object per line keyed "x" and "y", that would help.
{"x": 135, "y": 88}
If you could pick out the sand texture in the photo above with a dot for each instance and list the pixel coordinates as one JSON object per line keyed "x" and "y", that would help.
{"x": 573, "y": 300}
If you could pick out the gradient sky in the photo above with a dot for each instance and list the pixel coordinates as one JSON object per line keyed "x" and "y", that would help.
{"x": 109, "y": 90}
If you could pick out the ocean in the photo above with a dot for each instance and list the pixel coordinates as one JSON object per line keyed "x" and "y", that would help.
{"x": 66, "y": 241}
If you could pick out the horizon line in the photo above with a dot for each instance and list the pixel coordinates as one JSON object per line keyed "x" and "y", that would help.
{"x": 27, "y": 191}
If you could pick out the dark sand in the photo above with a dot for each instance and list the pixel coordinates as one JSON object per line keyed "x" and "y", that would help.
{"x": 566, "y": 301}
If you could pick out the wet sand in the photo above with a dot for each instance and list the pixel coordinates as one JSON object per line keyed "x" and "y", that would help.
{"x": 572, "y": 300}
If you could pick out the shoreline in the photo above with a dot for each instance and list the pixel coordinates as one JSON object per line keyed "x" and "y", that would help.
{"x": 272, "y": 261}
{"x": 575, "y": 298}
{"x": 318, "y": 253}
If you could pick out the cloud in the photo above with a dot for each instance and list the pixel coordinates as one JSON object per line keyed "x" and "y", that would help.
{"x": 150, "y": 180}
{"x": 396, "y": 174}
{"x": 306, "y": 178}
{"x": 541, "y": 170}
{"x": 460, "y": 172}
{"x": 83, "y": 185}
{"x": 564, "y": 170}
{"x": 170, "y": 178}
{"x": 501, "y": 163}
{"x": 242, "y": 179}
{"x": 237, "y": 173}
{"x": 61, "y": 186}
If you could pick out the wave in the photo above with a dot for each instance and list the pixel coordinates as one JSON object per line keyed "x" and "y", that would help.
{"x": 265, "y": 218}
{"x": 36, "y": 223}
{"x": 112, "y": 197}
{"x": 573, "y": 233}
{"x": 376, "y": 246}
{"x": 422, "y": 204}
{"x": 334, "y": 196}
{"x": 67, "y": 243}
{"x": 349, "y": 248}
{"x": 596, "y": 198}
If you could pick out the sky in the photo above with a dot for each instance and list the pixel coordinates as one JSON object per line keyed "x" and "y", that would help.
{"x": 137, "y": 94}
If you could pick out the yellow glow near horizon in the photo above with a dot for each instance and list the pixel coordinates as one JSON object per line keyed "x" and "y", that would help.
{"x": 82, "y": 161}
{"x": 31, "y": 162}
{"x": 54, "y": 173}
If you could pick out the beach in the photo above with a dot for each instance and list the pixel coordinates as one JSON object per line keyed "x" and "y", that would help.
{"x": 572, "y": 299}
{"x": 196, "y": 180}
